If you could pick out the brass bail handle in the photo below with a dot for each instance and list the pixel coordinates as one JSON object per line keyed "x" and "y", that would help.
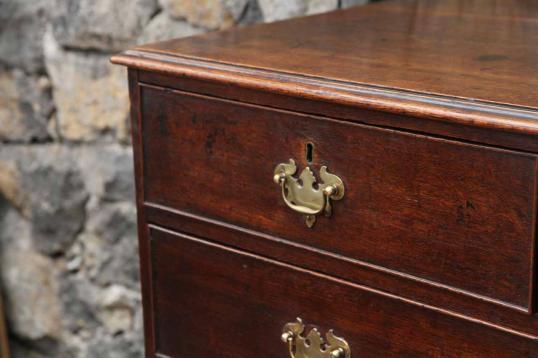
{"x": 304, "y": 194}
{"x": 313, "y": 345}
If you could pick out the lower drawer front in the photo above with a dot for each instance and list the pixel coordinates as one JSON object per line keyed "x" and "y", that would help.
{"x": 214, "y": 301}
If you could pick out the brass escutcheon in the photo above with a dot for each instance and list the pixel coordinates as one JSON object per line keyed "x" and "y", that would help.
{"x": 304, "y": 194}
{"x": 312, "y": 345}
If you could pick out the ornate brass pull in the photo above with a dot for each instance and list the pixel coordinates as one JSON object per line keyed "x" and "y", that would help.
{"x": 304, "y": 194}
{"x": 313, "y": 346}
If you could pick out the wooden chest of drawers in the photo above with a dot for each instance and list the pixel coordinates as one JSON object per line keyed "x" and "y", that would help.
{"x": 372, "y": 171}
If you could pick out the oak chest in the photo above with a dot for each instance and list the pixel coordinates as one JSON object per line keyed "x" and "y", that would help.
{"x": 361, "y": 183}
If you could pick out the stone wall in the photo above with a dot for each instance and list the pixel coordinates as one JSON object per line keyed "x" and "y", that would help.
{"x": 68, "y": 253}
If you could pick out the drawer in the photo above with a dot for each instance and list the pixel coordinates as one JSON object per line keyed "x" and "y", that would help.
{"x": 452, "y": 214}
{"x": 212, "y": 301}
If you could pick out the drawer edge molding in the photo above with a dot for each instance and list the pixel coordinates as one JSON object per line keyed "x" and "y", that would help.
{"x": 153, "y": 216}
{"x": 500, "y": 277}
{"x": 344, "y": 282}
{"x": 426, "y": 106}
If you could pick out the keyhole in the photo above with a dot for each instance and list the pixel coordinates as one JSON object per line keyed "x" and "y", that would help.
{"x": 309, "y": 152}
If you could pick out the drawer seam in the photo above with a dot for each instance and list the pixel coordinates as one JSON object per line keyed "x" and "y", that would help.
{"x": 344, "y": 282}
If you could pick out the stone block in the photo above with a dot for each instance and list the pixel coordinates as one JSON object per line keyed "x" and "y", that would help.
{"x": 349, "y": 3}
{"x": 163, "y": 27}
{"x": 110, "y": 25}
{"x": 321, "y": 6}
{"x": 31, "y": 290}
{"x": 108, "y": 171}
{"x": 275, "y": 10}
{"x": 90, "y": 94}
{"x": 25, "y": 106}
{"x": 22, "y": 24}
{"x": 211, "y": 14}
{"x": 47, "y": 187}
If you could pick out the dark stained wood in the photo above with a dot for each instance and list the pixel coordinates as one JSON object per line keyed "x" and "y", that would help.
{"x": 4, "y": 343}
{"x": 212, "y": 301}
{"x": 428, "y": 46}
{"x": 427, "y": 109}
{"x": 426, "y": 58}
{"x": 470, "y": 133}
{"x": 454, "y": 214}
{"x": 452, "y": 301}
{"x": 143, "y": 242}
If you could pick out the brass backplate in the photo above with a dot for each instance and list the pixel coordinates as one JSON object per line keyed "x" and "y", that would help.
{"x": 304, "y": 194}
{"x": 313, "y": 345}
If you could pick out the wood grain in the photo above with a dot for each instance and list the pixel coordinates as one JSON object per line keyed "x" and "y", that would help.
{"x": 427, "y": 109}
{"x": 143, "y": 241}
{"x": 436, "y": 59}
{"x": 4, "y": 343}
{"x": 426, "y": 46}
{"x": 451, "y": 301}
{"x": 212, "y": 301}
{"x": 456, "y": 214}
{"x": 353, "y": 111}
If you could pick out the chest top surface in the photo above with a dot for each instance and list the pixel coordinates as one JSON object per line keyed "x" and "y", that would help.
{"x": 479, "y": 53}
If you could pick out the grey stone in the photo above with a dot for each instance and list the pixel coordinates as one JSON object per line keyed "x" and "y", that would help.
{"x": 76, "y": 295}
{"x": 117, "y": 308}
{"x": 211, "y": 14}
{"x": 120, "y": 268}
{"x": 57, "y": 209}
{"x": 320, "y": 6}
{"x": 91, "y": 94}
{"x": 10, "y": 183}
{"x": 274, "y": 10}
{"x": 163, "y": 27}
{"x": 109, "y": 244}
{"x": 252, "y": 15}
{"x": 108, "y": 171}
{"x": 46, "y": 348}
{"x": 50, "y": 191}
{"x": 25, "y": 106}
{"x": 349, "y": 3}
{"x": 236, "y": 8}
{"x": 110, "y": 25}
{"x": 31, "y": 289}
{"x": 21, "y": 32}
{"x": 108, "y": 263}
{"x": 20, "y": 350}
{"x": 30, "y": 339}
{"x": 121, "y": 346}
{"x": 113, "y": 221}
{"x": 15, "y": 230}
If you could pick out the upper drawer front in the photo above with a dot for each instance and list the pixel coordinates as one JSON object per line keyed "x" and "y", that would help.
{"x": 452, "y": 213}
{"x": 212, "y": 301}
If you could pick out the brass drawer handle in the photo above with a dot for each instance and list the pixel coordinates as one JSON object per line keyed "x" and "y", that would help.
{"x": 304, "y": 194}
{"x": 313, "y": 346}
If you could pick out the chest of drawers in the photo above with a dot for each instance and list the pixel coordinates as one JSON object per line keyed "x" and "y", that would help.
{"x": 372, "y": 171}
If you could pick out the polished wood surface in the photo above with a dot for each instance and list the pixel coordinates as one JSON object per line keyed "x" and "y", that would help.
{"x": 399, "y": 50}
{"x": 143, "y": 238}
{"x": 427, "y": 109}
{"x": 419, "y": 123}
{"x": 477, "y": 49}
{"x": 214, "y": 301}
{"x": 454, "y": 214}
{"x": 431, "y": 297}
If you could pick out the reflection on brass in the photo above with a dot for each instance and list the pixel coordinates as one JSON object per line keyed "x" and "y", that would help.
{"x": 304, "y": 194}
{"x": 312, "y": 345}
